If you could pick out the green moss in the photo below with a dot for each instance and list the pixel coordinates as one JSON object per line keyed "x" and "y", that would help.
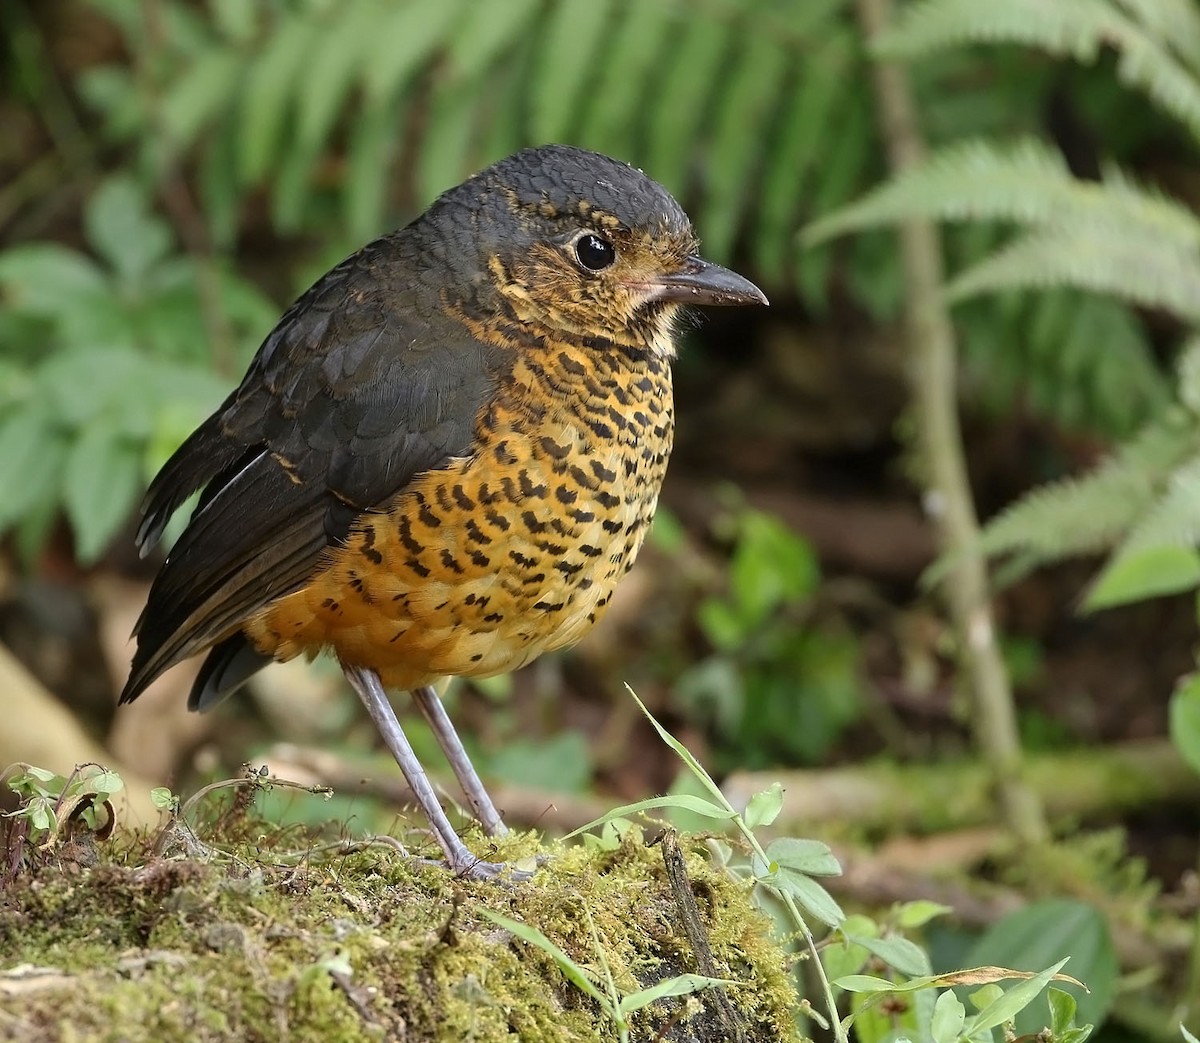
{"x": 371, "y": 946}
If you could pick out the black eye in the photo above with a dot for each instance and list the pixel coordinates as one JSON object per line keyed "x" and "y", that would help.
{"x": 595, "y": 253}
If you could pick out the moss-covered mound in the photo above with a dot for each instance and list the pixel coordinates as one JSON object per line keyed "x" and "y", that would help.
{"x": 372, "y": 946}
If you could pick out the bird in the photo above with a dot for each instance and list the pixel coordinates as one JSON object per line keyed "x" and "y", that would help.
{"x": 443, "y": 457}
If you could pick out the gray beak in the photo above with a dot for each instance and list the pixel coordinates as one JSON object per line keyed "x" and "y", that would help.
{"x": 702, "y": 282}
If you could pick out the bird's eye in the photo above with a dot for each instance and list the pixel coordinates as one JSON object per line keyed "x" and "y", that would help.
{"x": 595, "y": 252}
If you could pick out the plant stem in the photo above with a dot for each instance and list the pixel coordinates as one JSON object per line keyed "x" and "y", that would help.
{"x": 933, "y": 373}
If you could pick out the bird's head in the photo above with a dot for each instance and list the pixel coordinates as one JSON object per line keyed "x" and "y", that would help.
{"x": 574, "y": 245}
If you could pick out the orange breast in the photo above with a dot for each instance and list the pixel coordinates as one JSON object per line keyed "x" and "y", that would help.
{"x": 478, "y": 568}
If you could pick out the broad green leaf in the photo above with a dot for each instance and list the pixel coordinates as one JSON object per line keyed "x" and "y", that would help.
{"x": 162, "y": 798}
{"x": 38, "y": 278}
{"x": 31, "y": 455}
{"x": 803, "y": 856}
{"x": 101, "y": 483}
{"x": 948, "y": 1017}
{"x": 1144, "y": 573}
{"x": 1045, "y": 931}
{"x": 811, "y": 895}
{"x": 105, "y": 783}
{"x": 919, "y": 913}
{"x": 1185, "y": 720}
{"x": 682, "y": 985}
{"x": 899, "y": 953}
{"x": 122, "y": 229}
{"x": 764, "y": 806}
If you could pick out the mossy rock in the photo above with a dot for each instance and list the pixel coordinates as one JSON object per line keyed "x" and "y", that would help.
{"x": 372, "y": 945}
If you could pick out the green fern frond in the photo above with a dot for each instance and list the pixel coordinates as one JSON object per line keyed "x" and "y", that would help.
{"x": 1187, "y": 369}
{"x": 1026, "y": 182}
{"x": 1174, "y": 519}
{"x": 1076, "y": 28}
{"x": 1100, "y": 259}
{"x": 1089, "y": 514}
{"x": 1173, "y": 23}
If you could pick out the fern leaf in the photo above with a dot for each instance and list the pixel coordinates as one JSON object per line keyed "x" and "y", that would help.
{"x": 1073, "y": 27}
{"x": 268, "y": 93}
{"x": 487, "y": 29}
{"x": 1174, "y": 520}
{"x": 1094, "y": 258}
{"x": 1188, "y": 370}
{"x": 373, "y": 138}
{"x": 331, "y": 70}
{"x": 798, "y": 148}
{"x": 1173, "y": 23}
{"x": 616, "y": 107}
{"x": 400, "y": 40}
{"x": 688, "y": 82}
{"x": 1078, "y": 28}
{"x": 573, "y": 31}
{"x": 748, "y": 93}
{"x": 1088, "y": 514}
{"x": 1027, "y": 182}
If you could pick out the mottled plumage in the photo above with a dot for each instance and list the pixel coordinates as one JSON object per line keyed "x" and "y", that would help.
{"x": 448, "y": 451}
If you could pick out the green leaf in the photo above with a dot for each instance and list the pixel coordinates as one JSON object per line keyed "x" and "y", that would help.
{"x": 572, "y": 31}
{"x": 39, "y": 277}
{"x": 808, "y": 893}
{"x": 1043, "y": 932}
{"x": 1185, "y": 719}
{"x": 682, "y": 985}
{"x": 562, "y": 763}
{"x": 1013, "y": 1001}
{"x": 749, "y": 91}
{"x": 486, "y": 31}
{"x": 101, "y": 483}
{"x": 403, "y": 39}
{"x": 685, "y": 801}
{"x": 209, "y": 87}
{"x": 899, "y": 953}
{"x": 804, "y": 856}
{"x": 685, "y": 755}
{"x": 373, "y": 137}
{"x": 570, "y": 969}
{"x": 442, "y": 160}
{"x": 764, "y": 807}
{"x": 31, "y": 454}
{"x": 162, "y": 798}
{"x": 270, "y": 90}
{"x": 948, "y": 1017}
{"x": 917, "y": 914}
{"x": 121, "y": 228}
{"x": 348, "y": 49}
{"x": 1146, "y": 573}
{"x": 105, "y": 783}
{"x": 684, "y": 93}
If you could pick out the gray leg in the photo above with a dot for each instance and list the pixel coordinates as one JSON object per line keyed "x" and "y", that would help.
{"x": 461, "y": 861}
{"x": 434, "y": 712}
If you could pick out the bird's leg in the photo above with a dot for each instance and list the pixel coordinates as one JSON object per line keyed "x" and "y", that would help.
{"x": 431, "y": 707}
{"x": 461, "y": 861}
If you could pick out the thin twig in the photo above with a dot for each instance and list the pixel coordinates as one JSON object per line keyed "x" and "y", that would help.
{"x": 948, "y": 496}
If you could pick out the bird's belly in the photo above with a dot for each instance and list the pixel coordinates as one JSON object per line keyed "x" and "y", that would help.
{"x": 479, "y": 568}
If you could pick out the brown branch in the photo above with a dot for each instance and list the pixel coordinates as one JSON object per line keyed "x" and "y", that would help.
{"x": 947, "y": 493}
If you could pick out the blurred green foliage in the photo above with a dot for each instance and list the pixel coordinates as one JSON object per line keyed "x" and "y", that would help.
{"x": 781, "y": 683}
{"x": 330, "y": 122}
